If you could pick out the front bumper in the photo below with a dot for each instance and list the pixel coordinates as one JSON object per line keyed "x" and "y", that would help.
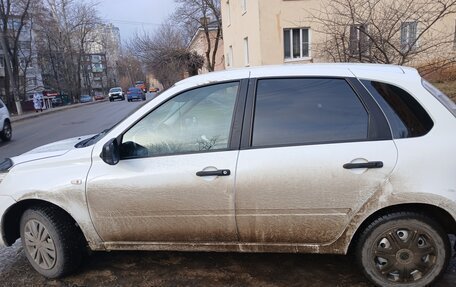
{"x": 116, "y": 96}
{"x": 5, "y": 203}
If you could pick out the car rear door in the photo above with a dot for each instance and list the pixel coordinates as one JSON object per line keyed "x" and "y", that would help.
{"x": 313, "y": 151}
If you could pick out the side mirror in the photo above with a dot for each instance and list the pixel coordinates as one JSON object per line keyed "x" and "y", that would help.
{"x": 111, "y": 153}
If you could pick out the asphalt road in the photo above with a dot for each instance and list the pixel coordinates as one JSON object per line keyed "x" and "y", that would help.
{"x": 165, "y": 268}
{"x": 50, "y": 127}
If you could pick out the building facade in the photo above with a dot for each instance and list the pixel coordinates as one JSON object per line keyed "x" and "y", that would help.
{"x": 199, "y": 45}
{"x": 30, "y": 76}
{"x": 264, "y": 32}
{"x": 105, "y": 41}
{"x": 94, "y": 73}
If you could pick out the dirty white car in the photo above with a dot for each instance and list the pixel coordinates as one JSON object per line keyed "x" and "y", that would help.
{"x": 6, "y": 131}
{"x": 309, "y": 159}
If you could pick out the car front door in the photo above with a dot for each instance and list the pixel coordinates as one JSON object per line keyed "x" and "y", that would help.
{"x": 315, "y": 152}
{"x": 175, "y": 179}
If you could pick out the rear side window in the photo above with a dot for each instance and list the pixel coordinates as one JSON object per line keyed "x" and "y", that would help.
{"x": 406, "y": 116}
{"x": 306, "y": 111}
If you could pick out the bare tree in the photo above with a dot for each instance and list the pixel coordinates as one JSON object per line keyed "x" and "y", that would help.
{"x": 383, "y": 31}
{"x": 193, "y": 15}
{"x": 65, "y": 28}
{"x": 130, "y": 69}
{"x": 165, "y": 54}
{"x": 14, "y": 17}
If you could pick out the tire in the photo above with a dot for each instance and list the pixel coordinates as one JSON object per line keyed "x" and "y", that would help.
{"x": 63, "y": 241}
{"x": 7, "y": 132}
{"x": 410, "y": 248}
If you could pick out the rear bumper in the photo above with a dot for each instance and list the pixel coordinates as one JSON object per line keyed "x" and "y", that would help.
{"x": 5, "y": 203}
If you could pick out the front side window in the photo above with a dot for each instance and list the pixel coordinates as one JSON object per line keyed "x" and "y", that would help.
{"x": 296, "y": 43}
{"x": 307, "y": 111}
{"x": 405, "y": 115}
{"x": 195, "y": 121}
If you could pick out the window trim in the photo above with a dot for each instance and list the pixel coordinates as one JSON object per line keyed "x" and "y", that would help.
{"x": 234, "y": 135}
{"x": 378, "y": 127}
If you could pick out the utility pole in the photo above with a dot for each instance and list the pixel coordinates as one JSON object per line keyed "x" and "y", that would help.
{"x": 10, "y": 73}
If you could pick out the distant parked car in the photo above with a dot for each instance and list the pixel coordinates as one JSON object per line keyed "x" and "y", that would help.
{"x": 6, "y": 131}
{"x": 99, "y": 96}
{"x": 153, "y": 90}
{"x": 141, "y": 85}
{"x": 135, "y": 94}
{"x": 57, "y": 101}
{"x": 116, "y": 93}
{"x": 85, "y": 99}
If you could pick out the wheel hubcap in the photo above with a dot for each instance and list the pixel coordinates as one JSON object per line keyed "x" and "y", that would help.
{"x": 404, "y": 255}
{"x": 7, "y": 131}
{"x": 39, "y": 244}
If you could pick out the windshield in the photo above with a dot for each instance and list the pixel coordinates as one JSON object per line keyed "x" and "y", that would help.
{"x": 94, "y": 139}
{"x": 115, "y": 90}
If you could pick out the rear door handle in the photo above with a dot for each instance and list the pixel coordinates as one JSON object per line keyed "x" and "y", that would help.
{"x": 220, "y": 172}
{"x": 370, "y": 164}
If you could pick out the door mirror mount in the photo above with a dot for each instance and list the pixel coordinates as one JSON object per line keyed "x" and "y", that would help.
{"x": 111, "y": 153}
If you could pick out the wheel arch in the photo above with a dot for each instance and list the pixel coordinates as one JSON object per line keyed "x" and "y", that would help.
{"x": 440, "y": 215}
{"x": 11, "y": 219}
{"x": 7, "y": 120}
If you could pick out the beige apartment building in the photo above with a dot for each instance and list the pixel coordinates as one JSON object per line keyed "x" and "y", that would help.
{"x": 264, "y": 32}
{"x": 198, "y": 44}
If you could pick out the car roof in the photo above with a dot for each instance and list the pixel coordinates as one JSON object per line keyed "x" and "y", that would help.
{"x": 377, "y": 71}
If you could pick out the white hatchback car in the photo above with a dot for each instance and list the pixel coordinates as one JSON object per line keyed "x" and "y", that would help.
{"x": 298, "y": 158}
{"x": 6, "y": 131}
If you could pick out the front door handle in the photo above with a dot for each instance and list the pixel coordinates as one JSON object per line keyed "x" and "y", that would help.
{"x": 220, "y": 172}
{"x": 370, "y": 164}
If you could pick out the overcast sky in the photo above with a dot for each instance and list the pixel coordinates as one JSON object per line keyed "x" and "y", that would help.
{"x": 135, "y": 15}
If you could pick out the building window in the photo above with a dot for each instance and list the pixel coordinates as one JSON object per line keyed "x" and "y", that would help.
{"x": 408, "y": 35}
{"x": 454, "y": 39}
{"x": 229, "y": 11}
{"x": 246, "y": 51}
{"x": 229, "y": 57}
{"x": 244, "y": 6}
{"x": 296, "y": 43}
{"x": 359, "y": 42}
{"x": 23, "y": 63}
{"x": 2, "y": 62}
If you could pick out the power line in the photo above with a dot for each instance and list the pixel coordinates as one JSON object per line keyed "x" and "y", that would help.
{"x": 129, "y": 22}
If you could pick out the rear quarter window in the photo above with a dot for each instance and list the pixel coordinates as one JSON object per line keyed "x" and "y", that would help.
{"x": 405, "y": 115}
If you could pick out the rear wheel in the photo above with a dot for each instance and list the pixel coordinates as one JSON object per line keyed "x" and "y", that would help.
{"x": 52, "y": 242}
{"x": 403, "y": 249}
{"x": 7, "y": 131}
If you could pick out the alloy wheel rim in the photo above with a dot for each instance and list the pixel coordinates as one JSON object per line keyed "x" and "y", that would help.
{"x": 404, "y": 255}
{"x": 39, "y": 244}
{"x": 7, "y": 130}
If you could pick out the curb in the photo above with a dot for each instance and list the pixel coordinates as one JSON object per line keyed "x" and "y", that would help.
{"x": 15, "y": 119}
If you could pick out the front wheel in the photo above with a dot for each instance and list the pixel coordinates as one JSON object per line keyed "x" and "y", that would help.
{"x": 7, "y": 132}
{"x": 403, "y": 249}
{"x": 52, "y": 242}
